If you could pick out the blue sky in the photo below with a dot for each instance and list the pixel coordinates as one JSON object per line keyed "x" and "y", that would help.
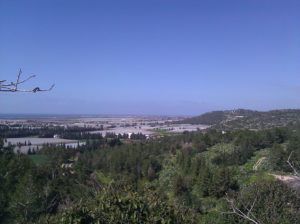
{"x": 152, "y": 56}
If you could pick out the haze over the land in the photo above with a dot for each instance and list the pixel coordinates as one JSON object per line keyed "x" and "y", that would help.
{"x": 151, "y": 57}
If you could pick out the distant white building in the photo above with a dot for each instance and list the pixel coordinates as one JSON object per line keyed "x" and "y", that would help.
{"x": 129, "y": 135}
{"x": 56, "y": 136}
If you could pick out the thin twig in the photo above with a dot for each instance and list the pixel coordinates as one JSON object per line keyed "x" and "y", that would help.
{"x": 237, "y": 211}
{"x": 291, "y": 165}
{"x": 14, "y": 86}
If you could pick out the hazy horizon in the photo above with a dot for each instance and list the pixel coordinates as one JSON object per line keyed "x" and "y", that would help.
{"x": 151, "y": 57}
{"x": 114, "y": 115}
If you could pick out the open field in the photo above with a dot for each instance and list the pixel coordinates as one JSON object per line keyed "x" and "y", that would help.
{"x": 39, "y": 141}
{"x": 146, "y": 125}
{"x": 24, "y": 144}
{"x": 147, "y": 129}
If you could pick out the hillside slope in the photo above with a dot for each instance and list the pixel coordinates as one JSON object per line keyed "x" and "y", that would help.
{"x": 246, "y": 119}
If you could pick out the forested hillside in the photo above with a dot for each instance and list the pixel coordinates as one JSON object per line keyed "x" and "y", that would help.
{"x": 246, "y": 119}
{"x": 190, "y": 178}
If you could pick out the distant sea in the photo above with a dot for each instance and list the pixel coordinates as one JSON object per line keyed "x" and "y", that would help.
{"x": 69, "y": 116}
{"x": 44, "y": 116}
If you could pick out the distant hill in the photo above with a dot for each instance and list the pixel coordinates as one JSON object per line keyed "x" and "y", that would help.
{"x": 246, "y": 119}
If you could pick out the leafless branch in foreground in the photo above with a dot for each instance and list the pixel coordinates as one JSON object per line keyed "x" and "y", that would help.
{"x": 235, "y": 210}
{"x": 248, "y": 215}
{"x": 292, "y": 166}
{"x": 14, "y": 86}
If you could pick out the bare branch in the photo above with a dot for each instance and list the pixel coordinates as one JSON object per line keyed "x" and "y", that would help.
{"x": 291, "y": 165}
{"x": 18, "y": 80}
{"x": 250, "y": 210}
{"x": 235, "y": 210}
{"x": 14, "y": 86}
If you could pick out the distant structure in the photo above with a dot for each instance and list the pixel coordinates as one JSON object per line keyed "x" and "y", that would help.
{"x": 129, "y": 135}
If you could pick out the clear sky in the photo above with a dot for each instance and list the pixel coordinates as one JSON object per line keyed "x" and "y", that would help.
{"x": 151, "y": 56}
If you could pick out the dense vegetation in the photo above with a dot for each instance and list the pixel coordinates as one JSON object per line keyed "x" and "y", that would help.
{"x": 46, "y": 132}
{"x": 188, "y": 178}
{"x": 246, "y": 119}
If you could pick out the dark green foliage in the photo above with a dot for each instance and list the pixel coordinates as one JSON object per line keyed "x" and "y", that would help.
{"x": 136, "y": 161}
{"x": 238, "y": 156}
{"x": 215, "y": 182}
{"x": 16, "y": 187}
{"x": 49, "y": 132}
{"x": 1, "y": 143}
{"x": 181, "y": 186}
{"x": 294, "y": 148}
{"x": 247, "y": 142}
{"x": 204, "y": 181}
{"x": 278, "y": 158}
{"x": 115, "y": 205}
{"x": 210, "y": 118}
{"x": 174, "y": 179}
{"x": 274, "y": 203}
{"x": 222, "y": 182}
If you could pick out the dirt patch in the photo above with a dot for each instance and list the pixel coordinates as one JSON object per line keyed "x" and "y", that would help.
{"x": 292, "y": 181}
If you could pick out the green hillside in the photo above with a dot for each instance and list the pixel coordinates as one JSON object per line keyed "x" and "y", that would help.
{"x": 246, "y": 119}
